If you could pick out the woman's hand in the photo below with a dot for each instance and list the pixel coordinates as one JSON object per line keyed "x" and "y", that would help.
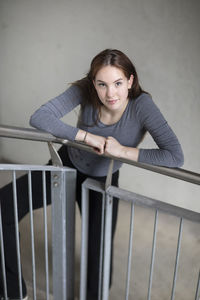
{"x": 97, "y": 142}
{"x": 107, "y": 145}
{"x": 113, "y": 147}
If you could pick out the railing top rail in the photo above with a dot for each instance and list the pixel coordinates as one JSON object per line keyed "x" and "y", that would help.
{"x": 20, "y": 167}
{"x": 153, "y": 203}
{"x": 36, "y": 135}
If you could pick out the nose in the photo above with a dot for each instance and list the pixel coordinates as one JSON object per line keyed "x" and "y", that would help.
{"x": 110, "y": 92}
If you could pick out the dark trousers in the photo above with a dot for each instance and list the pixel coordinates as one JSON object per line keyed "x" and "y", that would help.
{"x": 95, "y": 212}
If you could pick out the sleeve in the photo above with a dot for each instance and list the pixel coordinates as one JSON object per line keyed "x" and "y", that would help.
{"x": 47, "y": 117}
{"x": 169, "y": 152}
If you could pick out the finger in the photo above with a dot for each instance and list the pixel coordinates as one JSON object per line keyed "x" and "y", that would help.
{"x": 103, "y": 148}
{"x": 110, "y": 138}
{"x": 97, "y": 150}
{"x": 106, "y": 148}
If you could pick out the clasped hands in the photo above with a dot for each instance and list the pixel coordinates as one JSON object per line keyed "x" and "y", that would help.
{"x": 109, "y": 145}
{"x": 102, "y": 145}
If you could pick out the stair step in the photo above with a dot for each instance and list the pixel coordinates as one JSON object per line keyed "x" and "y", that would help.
{"x": 40, "y": 294}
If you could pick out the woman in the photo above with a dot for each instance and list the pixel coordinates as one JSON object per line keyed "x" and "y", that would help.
{"x": 114, "y": 116}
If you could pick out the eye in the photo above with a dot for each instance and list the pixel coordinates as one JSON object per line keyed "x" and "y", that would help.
{"x": 101, "y": 84}
{"x": 118, "y": 83}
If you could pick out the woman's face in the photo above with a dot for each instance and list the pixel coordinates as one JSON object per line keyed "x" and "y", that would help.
{"x": 112, "y": 87}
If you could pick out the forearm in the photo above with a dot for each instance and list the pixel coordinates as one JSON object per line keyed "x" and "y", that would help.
{"x": 47, "y": 122}
{"x": 162, "y": 157}
{"x": 113, "y": 147}
{"x": 129, "y": 153}
{"x": 48, "y": 116}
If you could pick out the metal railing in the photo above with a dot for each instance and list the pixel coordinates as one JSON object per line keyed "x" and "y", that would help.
{"x": 134, "y": 200}
{"x": 108, "y": 192}
{"x": 35, "y": 135}
{"x": 63, "y": 231}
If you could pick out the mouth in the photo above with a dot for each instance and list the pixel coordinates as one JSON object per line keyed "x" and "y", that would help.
{"x": 112, "y": 101}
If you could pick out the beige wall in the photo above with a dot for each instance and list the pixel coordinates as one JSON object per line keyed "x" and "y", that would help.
{"x": 46, "y": 44}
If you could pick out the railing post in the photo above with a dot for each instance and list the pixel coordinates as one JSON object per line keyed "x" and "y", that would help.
{"x": 84, "y": 242}
{"x": 63, "y": 184}
{"x": 107, "y": 247}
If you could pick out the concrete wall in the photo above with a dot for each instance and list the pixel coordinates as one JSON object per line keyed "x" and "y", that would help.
{"x": 46, "y": 44}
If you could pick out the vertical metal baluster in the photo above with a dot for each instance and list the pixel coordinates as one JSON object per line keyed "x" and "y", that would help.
{"x": 63, "y": 183}
{"x": 107, "y": 235}
{"x": 101, "y": 245}
{"x": 3, "y": 258}
{"x": 84, "y": 242}
{"x": 177, "y": 258}
{"x": 197, "y": 297}
{"x": 32, "y": 233}
{"x": 58, "y": 193}
{"x": 17, "y": 233}
{"x": 152, "y": 256}
{"x": 130, "y": 251}
{"x": 107, "y": 247}
{"x": 45, "y": 233}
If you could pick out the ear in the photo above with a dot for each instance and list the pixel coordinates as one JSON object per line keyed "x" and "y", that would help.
{"x": 130, "y": 81}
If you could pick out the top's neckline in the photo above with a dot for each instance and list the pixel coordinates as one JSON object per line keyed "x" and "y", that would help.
{"x": 113, "y": 124}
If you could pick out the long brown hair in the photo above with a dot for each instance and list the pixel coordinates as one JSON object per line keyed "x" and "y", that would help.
{"x": 108, "y": 57}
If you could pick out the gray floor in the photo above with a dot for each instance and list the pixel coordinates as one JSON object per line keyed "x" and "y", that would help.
{"x": 143, "y": 232}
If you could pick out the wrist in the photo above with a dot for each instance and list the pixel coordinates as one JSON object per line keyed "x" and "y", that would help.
{"x": 129, "y": 153}
{"x": 123, "y": 153}
{"x": 81, "y": 135}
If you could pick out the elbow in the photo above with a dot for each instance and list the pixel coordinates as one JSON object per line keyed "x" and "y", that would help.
{"x": 31, "y": 121}
{"x": 179, "y": 159}
{"x": 179, "y": 162}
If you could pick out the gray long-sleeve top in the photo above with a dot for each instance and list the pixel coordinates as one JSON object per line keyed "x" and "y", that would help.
{"x": 140, "y": 115}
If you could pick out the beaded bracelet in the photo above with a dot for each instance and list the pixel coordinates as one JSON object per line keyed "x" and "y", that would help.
{"x": 85, "y": 137}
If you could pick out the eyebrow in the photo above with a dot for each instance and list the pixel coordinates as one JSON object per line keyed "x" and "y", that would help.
{"x": 113, "y": 82}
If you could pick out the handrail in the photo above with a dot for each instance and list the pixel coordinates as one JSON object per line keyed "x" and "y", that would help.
{"x": 36, "y": 135}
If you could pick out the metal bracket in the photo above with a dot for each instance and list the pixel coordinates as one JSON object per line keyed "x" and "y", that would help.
{"x": 56, "y": 160}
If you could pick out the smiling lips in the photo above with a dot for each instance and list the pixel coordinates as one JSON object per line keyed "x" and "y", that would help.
{"x": 112, "y": 101}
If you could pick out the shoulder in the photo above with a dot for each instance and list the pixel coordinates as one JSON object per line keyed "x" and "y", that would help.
{"x": 71, "y": 96}
{"x": 143, "y": 101}
{"x": 66, "y": 101}
{"x": 146, "y": 109}
{"x": 144, "y": 104}
{"x": 73, "y": 90}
